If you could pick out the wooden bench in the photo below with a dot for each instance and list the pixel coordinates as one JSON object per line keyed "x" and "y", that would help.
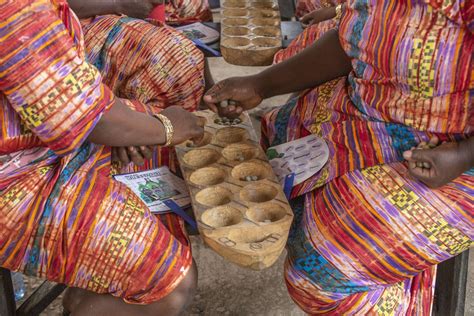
{"x": 37, "y": 302}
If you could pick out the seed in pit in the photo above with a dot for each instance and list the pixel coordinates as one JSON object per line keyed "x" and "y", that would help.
{"x": 241, "y": 158}
{"x": 254, "y": 178}
{"x": 218, "y": 121}
{"x": 268, "y": 221}
{"x": 224, "y": 104}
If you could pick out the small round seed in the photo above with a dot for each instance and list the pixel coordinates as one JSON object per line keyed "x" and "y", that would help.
{"x": 224, "y": 104}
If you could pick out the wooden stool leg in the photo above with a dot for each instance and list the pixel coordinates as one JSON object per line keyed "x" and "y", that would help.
{"x": 450, "y": 291}
{"x": 7, "y": 295}
{"x": 37, "y": 302}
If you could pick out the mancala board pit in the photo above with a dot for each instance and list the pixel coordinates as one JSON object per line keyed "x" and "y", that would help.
{"x": 241, "y": 210}
{"x": 250, "y": 32}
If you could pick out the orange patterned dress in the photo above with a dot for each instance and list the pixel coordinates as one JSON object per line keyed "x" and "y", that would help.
{"x": 366, "y": 236}
{"x": 62, "y": 217}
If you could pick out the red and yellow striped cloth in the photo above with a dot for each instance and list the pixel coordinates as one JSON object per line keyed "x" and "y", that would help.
{"x": 367, "y": 237}
{"x": 62, "y": 217}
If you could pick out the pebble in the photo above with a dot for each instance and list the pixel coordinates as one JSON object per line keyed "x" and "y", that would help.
{"x": 241, "y": 158}
{"x": 197, "y": 310}
{"x": 250, "y": 178}
{"x": 227, "y": 121}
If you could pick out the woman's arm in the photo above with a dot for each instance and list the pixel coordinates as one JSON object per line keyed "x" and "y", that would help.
{"x": 319, "y": 63}
{"x": 73, "y": 105}
{"x": 133, "y": 8}
{"x": 122, "y": 126}
{"x": 90, "y": 8}
{"x": 323, "y": 61}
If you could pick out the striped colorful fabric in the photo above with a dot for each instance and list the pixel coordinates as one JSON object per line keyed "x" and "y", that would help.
{"x": 366, "y": 237}
{"x": 62, "y": 217}
{"x": 304, "y": 7}
{"x": 188, "y": 11}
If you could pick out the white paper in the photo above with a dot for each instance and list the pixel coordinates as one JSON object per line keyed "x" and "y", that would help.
{"x": 157, "y": 185}
{"x": 304, "y": 157}
{"x": 199, "y": 31}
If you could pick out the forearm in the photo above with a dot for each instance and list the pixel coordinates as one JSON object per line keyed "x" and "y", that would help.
{"x": 121, "y": 126}
{"x": 90, "y": 8}
{"x": 467, "y": 151}
{"x": 323, "y": 61}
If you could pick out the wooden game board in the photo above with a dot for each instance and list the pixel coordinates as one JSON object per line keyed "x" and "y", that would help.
{"x": 246, "y": 222}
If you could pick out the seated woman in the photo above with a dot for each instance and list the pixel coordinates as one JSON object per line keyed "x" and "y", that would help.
{"x": 62, "y": 217}
{"x": 370, "y": 227}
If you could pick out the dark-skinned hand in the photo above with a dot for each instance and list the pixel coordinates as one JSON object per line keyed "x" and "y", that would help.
{"x": 139, "y": 9}
{"x": 241, "y": 91}
{"x": 126, "y": 155}
{"x": 187, "y": 126}
{"x": 318, "y": 16}
{"x": 436, "y": 164}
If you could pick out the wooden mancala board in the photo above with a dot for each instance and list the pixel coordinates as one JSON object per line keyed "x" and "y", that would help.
{"x": 241, "y": 210}
{"x": 250, "y": 32}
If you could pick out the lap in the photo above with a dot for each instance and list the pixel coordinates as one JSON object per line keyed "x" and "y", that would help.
{"x": 138, "y": 60}
{"x": 363, "y": 227}
{"x": 71, "y": 223}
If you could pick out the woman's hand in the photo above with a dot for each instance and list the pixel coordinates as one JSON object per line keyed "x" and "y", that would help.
{"x": 133, "y": 8}
{"x": 137, "y": 155}
{"x": 187, "y": 126}
{"x": 243, "y": 91}
{"x": 317, "y": 16}
{"x": 138, "y": 8}
{"x": 437, "y": 165}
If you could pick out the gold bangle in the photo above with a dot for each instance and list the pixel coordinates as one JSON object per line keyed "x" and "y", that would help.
{"x": 169, "y": 130}
{"x": 338, "y": 12}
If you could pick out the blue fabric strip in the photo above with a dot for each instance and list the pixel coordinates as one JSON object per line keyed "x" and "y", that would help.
{"x": 288, "y": 185}
{"x": 175, "y": 208}
{"x": 200, "y": 44}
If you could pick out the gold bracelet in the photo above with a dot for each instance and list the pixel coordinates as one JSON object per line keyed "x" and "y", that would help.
{"x": 169, "y": 130}
{"x": 338, "y": 12}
